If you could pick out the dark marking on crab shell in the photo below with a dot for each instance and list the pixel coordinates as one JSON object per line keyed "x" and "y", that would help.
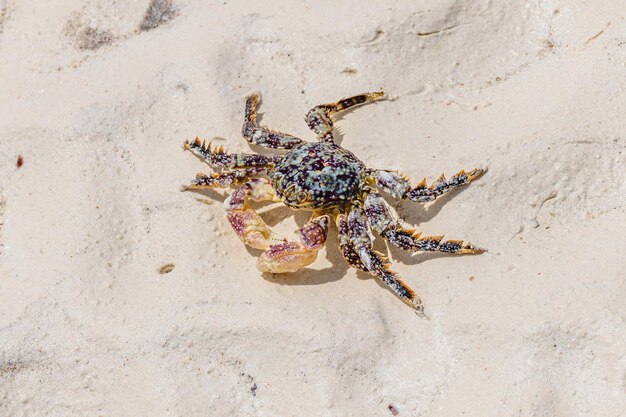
{"x": 318, "y": 176}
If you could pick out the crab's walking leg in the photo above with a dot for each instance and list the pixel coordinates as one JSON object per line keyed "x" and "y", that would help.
{"x": 375, "y": 262}
{"x": 217, "y": 157}
{"x": 291, "y": 256}
{"x": 246, "y": 222}
{"x": 398, "y": 186}
{"x": 380, "y": 218}
{"x": 263, "y": 136}
{"x": 345, "y": 245}
{"x": 223, "y": 180}
{"x": 319, "y": 118}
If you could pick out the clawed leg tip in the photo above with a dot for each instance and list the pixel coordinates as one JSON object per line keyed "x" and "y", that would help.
{"x": 378, "y": 95}
{"x": 419, "y": 311}
{"x": 476, "y": 173}
{"x": 468, "y": 248}
{"x": 418, "y": 307}
{"x": 473, "y": 251}
{"x": 253, "y": 95}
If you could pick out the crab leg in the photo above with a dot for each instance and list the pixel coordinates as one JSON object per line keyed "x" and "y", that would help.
{"x": 375, "y": 262}
{"x": 319, "y": 118}
{"x": 245, "y": 221}
{"x": 263, "y": 136}
{"x": 291, "y": 256}
{"x": 345, "y": 244}
{"x": 398, "y": 186}
{"x": 217, "y": 157}
{"x": 223, "y": 180}
{"x": 380, "y": 218}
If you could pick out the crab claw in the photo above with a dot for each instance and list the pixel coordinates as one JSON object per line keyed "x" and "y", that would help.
{"x": 285, "y": 257}
{"x": 252, "y": 230}
{"x": 291, "y": 256}
{"x": 245, "y": 221}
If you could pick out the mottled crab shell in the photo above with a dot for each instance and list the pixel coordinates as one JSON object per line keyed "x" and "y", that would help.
{"x": 317, "y": 176}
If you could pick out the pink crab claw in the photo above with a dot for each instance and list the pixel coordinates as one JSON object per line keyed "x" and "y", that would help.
{"x": 291, "y": 256}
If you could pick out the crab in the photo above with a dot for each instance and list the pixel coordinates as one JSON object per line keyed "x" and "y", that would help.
{"x": 334, "y": 185}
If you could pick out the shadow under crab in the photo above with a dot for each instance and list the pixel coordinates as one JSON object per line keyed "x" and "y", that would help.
{"x": 330, "y": 182}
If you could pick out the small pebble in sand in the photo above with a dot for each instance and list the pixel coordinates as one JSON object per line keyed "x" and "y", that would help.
{"x": 20, "y": 161}
{"x": 166, "y": 269}
{"x": 393, "y": 409}
{"x": 472, "y": 278}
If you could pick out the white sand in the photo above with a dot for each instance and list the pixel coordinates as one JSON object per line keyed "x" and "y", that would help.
{"x": 99, "y": 109}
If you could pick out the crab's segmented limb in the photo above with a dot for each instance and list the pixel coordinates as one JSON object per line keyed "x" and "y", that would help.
{"x": 398, "y": 185}
{"x": 380, "y": 218}
{"x": 291, "y": 256}
{"x": 319, "y": 118}
{"x": 223, "y": 180}
{"x": 345, "y": 245}
{"x": 263, "y": 136}
{"x": 245, "y": 221}
{"x": 217, "y": 157}
{"x": 411, "y": 241}
{"x": 375, "y": 262}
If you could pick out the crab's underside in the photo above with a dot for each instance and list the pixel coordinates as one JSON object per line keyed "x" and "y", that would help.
{"x": 332, "y": 183}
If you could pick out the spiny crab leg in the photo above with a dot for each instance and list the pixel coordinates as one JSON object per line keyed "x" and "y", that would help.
{"x": 345, "y": 244}
{"x": 291, "y": 256}
{"x": 223, "y": 180}
{"x": 216, "y": 156}
{"x": 261, "y": 135}
{"x": 375, "y": 262}
{"x": 319, "y": 118}
{"x": 380, "y": 218}
{"x": 398, "y": 185}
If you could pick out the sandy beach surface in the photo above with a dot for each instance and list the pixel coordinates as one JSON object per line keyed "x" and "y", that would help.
{"x": 96, "y": 99}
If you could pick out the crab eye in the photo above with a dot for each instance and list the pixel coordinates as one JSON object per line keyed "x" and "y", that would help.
{"x": 302, "y": 196}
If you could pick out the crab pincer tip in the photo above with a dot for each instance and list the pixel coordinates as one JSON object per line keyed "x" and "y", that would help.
{"x": 419, "y": 311}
